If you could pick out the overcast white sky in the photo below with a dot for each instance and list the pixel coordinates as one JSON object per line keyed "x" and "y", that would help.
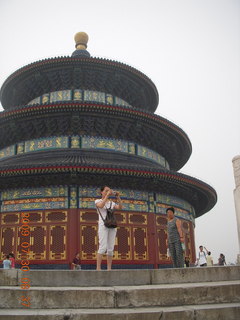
{"x": 191, "y": 51}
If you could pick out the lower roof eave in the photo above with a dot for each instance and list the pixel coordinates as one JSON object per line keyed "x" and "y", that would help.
{"x": 199, "y": 194}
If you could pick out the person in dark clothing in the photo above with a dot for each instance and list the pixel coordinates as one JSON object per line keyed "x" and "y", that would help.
{"x": 175, "y": 239}
{"x": 76, "y": 262}
{"x": 221, "y": 260}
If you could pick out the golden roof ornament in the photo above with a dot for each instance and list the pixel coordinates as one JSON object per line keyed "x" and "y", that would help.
{"x": 81, "y": 39}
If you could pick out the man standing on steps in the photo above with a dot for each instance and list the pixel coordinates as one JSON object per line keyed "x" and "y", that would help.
{"x": 175, "y": 239}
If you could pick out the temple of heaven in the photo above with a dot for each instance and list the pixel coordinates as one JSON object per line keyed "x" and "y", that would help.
{"x": 71, "y": 125}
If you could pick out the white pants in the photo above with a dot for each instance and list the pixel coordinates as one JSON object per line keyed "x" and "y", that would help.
{"x": 106, "y": 238}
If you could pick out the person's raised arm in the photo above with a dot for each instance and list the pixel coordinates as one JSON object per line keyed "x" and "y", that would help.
{"x": 119, "y": 204}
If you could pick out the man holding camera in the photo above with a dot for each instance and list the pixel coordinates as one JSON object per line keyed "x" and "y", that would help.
{"x": 106, "y": 235}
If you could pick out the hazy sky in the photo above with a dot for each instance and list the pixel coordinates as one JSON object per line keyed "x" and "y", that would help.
{"x": 190, "y": 49}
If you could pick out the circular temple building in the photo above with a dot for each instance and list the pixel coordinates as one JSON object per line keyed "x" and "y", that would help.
{"x": 72, "y": 124}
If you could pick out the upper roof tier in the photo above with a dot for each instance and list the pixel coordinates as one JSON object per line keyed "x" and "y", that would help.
{"x": 79, "y": 71}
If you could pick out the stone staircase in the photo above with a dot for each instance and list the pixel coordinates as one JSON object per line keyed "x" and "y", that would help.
{"x": 190, "y": 293}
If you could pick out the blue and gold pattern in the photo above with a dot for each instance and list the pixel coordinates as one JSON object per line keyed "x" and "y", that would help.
{"x": 175, "y": 202}
{"x": 46, "y": 143}
{"x": 83, "y": 142}
{"x": 45, "y": 98}
{"x": 151, "y": 206}
{"x": 139, "y": 201}
{"x": 104, "y": 143}
{"x": 179, "y": 212}
{"x": 51, "y": 204}
{"x": 77, "y": 95}
{"x": 73, "y": 197}
{"x": 34, "y": 199}
{"x": 80, "y": 95}
{"x": 7, "y": 152}
{"x": 89, "y": 192}
{"x": 109, "y": 99}
{"x": 125, "y": 193}
{"x": 20, "y": 148}
{"x": 64, "y": 95}
{"x": 84, "y": 197}
{"x": 150, "y": 154}
{"x": 75, "y": 142}
{"x": 60, "y": 191}
{"x": 132, "y": 148}
{"x": 94, "y": 96}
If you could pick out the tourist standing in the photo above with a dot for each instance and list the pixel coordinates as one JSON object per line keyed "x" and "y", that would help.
{"x": 209, "y": 258}
{"x": 201, "y": 260}
{"x": 6, "y": 262}
{"x": 221, "y": 260}
{"x": 106, "y": 235}
{"x": 175, "y": 239}
{"x": 76, "y": 262}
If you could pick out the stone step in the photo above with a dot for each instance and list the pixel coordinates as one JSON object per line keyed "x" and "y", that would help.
{"x": 85, "y": 278}
{"x": 224, "y": 311}
{"x": 123, "y": 296}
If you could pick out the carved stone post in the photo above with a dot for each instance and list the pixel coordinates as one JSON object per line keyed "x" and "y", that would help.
{"x": 236, "y": 170}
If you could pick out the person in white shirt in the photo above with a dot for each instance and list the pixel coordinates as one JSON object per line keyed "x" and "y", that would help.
{"x": 6, "y": 263}
{"x": 106, "y": 235}
{"x": 201, "y": 259}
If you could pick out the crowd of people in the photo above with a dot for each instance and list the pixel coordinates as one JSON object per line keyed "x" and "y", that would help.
{"x": 107, "y": 234}
{"x": 204, "y": 258}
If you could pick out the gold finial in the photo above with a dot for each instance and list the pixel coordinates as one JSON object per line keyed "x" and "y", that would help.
{"x": 81, "y": 39}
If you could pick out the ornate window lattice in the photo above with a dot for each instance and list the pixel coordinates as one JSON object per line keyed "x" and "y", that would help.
{"x": 161, "y": 221}
{"x": 36, "y": 217}
{"x": 57, "y": 242}
{"x": 123, "y": 247}
{"x": 38, "y": 240}
{"x": 7, "y": 241}
{"x": 89, "y": 242}
{"x": 56, "y": 216}
{"x": 88, "y": 216}
{"x": 121, "y": 217}
{"x": 140, "y": 243}
{"x": 162, "y": 244}
{"x": 137, "y": 219}
{"x": 12, "y": 218}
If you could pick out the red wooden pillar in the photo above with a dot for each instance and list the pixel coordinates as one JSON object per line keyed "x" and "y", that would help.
{"x": 152, "y": 236}
{"x": 73, "y": 245}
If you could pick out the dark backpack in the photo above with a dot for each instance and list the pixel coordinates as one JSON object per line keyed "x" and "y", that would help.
{"x": 110, "y": 221}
